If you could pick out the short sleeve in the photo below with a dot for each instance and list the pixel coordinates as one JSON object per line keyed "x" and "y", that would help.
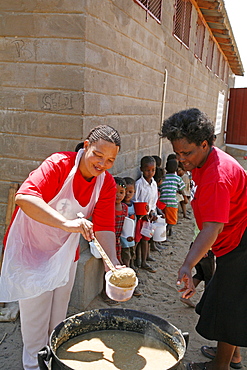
{"x": 45, "y": 181}
{"x": 214, "y": 203}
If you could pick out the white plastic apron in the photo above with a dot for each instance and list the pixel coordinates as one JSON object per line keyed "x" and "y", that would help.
{"x": 38, "y": 257}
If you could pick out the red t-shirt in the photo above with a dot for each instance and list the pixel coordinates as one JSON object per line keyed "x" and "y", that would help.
{"x": 221, "y": 196}
{"x": 47, "y": 180}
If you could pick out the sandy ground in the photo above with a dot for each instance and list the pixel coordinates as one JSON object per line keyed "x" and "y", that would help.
{"x": 159, "y": 297}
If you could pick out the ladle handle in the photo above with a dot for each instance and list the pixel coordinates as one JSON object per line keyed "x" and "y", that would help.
{"x": 104, "y": 255}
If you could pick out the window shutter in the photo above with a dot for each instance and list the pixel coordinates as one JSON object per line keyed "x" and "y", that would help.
{"x": 200, "y": 35}
{"x": 209, "y": 61}
{"x": 183, "y": 9}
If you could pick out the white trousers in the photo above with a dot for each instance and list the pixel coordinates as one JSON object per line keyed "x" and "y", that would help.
{"x": 39, "y": 316}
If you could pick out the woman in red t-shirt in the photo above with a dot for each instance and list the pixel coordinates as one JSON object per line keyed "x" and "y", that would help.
{"x": 219, "y": 202}
{"x": 41, "y": 245}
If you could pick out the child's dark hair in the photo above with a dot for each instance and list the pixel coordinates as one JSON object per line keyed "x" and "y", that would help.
{"x": 172, "y": 165}
{"x": 171, "y": 156}
{"x": 120, "y": 181}
{"x": 147, "y": 160}
{"x": 158, "y": 160}
{"x": 129, "y": 181}
{"x": 159, "y": 174}
{"x": 103, "y": 132}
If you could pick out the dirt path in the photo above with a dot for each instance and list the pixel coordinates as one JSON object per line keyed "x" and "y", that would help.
{"x": 160, "y": 297}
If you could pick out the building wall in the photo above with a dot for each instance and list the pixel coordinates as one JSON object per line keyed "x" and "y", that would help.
{"x": 70, "y": 65}
{"x": 42, "y": 54}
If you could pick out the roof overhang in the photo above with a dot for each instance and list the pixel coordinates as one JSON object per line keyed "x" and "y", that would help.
{"x": 215, "y": 15}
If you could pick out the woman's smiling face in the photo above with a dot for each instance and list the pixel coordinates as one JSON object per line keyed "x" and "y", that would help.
{"x": 190, "y": 154}
{"x": 98, "y": 157}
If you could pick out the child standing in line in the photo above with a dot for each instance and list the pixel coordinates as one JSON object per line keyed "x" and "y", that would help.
{"x": 128, "y": 244}
{"x": 168, "y": 191}
{"x": 158, "y": 177}
{"x": 146, "y": 191}
{"x": 121, "y": 211}
{"x": 185, "y": 177}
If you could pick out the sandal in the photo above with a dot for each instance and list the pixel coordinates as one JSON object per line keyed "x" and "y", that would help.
{"x": 150, "y": 258}
{"x": 204, "y": 349}
{"x": 197, "y": 365}
{"x": 148, "y": 268}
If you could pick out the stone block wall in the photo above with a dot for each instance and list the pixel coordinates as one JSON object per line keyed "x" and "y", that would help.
{"x": 42, "y": 73}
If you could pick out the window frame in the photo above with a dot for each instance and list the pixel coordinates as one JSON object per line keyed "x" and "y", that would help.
{"x": 147, "y": 5}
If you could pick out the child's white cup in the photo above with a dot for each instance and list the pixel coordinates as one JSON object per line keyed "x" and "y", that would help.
{"x": 160, "y": 230}
{"x": 128, "y": 228}
{"x": 147, "y": 229}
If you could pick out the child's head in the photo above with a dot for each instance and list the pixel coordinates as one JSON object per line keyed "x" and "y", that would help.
{"x": 121, "y": 189}
{"x": 148, "y": 167}
{"x": 158, "y": 160}
{"x": 130, "y": 189}
{"x": 171, "y": 166}
{"x": 171, "y": 156}
{"x": 158, "y": 176}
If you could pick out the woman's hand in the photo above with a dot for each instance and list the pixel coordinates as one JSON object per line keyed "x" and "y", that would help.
{"x": 185, "y": 276}
{"x": 79, "y": 225}
{"x": 201, "y": 245}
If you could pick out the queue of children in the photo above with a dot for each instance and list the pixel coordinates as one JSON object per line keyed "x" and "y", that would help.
{"x": 157, "y": 189}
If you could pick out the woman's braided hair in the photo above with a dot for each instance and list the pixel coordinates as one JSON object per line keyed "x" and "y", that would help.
{"x": 103, "y": 132}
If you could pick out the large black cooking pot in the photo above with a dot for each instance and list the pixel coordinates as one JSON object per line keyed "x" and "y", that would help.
{"x": 112, "y": 319}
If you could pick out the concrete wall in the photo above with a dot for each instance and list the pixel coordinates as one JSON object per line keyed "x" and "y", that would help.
{"x": 70, "y": 65}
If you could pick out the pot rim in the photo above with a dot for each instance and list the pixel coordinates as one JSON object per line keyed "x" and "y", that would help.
{"x": 156, "y": 323}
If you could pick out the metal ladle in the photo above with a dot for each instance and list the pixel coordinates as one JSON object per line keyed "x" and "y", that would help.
{"x": 115, "y": 272}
